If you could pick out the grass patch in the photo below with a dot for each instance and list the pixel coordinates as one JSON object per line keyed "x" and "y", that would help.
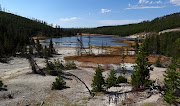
{"x": 99, "y": 93}
{"x": 86, "y": 98}
{"x": 149, "y": 104}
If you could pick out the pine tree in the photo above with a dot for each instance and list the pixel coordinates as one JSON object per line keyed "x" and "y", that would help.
{"x": 1, "y": 84}
{"x": 158, "y": 62}
{"x": 123, "y": 67}
{"x": 142, "y": 68}
{"x": 157, "y": 47}
{"x": 58, "y": 84}
{"x": 136, "y": 45}
{"x": 51, "y": 48}
{"x": 1, "y": 50}
{"x": 45, "y": 52}
{"x": 32, "y": 42}
{"x": 24, "y": 51}
{"x": 98, "y": 81}
{"x": 111, "y": 80}
{"x": 38, "y": 47}
{"x": 172, "y": 83}
{"x": 18, "y": 48}
{"x": 31, "y": 49}
{"x": 121, "y": 79}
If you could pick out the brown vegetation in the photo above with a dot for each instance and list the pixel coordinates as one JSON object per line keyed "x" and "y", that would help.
{"x": 112, "y": 59}
{"x": 39, "y": 37}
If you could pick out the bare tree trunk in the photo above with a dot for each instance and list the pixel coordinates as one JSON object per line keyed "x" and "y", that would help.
{"x": 102, "y": 47}
{"x": 89, "y": 44}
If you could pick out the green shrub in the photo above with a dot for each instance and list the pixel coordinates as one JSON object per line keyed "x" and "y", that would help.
{"x": 149, "y": 82}
{"x": 1, "y": 84}
{"x": 158, "y": 62}
{"x": 58, "y": 84}
{"x": 58, "y": 64}
{"x": 45, "y": 52}
{"x": 49, "y": 65}
{"x": 53, "y": 72}
{"x": 121, "y": 79}
{"x": 111, "y": 80}
{"x": 54, "y": 68}
{"x": 70, "y": 65}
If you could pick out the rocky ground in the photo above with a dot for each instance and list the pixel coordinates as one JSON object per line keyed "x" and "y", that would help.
{"x": 31, "y": 89}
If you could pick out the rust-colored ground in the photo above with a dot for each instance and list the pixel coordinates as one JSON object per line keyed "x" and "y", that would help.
{"x": 102, "y": 68}
{"x": 112, "y": 59}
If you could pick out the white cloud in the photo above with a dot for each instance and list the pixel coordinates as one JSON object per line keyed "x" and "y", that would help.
{"x": 143, "y": 1}
{"x": 118, "y": 22}
{"x": 146, "y": 4}
{"x": 176, "y": 2}
{"x": 68, "y": 19}
{"x": 158, "y": 2}
{"x": 149, "y": 2}
{"x": 105, "y": 11}
{"x": 143, "y": 7}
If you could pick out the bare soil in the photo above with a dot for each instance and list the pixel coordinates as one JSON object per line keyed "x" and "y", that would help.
{"x": 31, "y": 89}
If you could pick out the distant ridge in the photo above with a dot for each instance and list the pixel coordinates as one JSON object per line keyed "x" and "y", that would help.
{"x": 156, "y": 25}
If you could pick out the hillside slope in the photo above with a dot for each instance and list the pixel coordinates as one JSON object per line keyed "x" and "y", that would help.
{"x": 16, "y": 30}
{"x": 156, "y": 25}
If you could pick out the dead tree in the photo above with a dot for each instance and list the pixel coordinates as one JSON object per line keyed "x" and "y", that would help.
{"x": 106, "y": 49}
{"x": 89, "y": 44}
{"x": 80, "y": 46}
{"x": 35, "y": 68}
{"x": 102, "y": 47}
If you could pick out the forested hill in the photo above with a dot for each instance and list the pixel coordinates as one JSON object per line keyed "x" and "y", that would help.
{"x": 156, "y": 25}
{"x": 16, "y": 30}
{"x": 21, "y": 25}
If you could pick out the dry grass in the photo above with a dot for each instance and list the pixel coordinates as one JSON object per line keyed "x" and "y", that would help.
{"x": 39, "y": 37}
{"x": 112, "y": 59}
{"x": 102, "y": 59}
{"x": 149, "y": 104}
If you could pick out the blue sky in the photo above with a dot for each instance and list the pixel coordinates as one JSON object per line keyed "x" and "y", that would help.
{"x": 91, "y": 13}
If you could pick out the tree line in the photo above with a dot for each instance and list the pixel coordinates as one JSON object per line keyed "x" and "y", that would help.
{"x": 16, "y": 31}
{"x": 167, "y": 44}
{"x": 156, "y": 25}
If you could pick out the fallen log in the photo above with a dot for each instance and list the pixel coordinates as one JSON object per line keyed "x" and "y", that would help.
{"x": 35, "y": 68}
{"x": 70, "y": 74}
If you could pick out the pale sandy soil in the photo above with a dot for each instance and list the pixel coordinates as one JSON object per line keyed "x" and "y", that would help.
{"x": 152, "y": 99}
{"x": 158, "y": 73}
{"x": 170, "y": 30}
{"x": 27, "y": 88}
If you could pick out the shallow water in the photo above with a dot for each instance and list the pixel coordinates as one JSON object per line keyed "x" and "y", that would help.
{"x": 95, "y": 41}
